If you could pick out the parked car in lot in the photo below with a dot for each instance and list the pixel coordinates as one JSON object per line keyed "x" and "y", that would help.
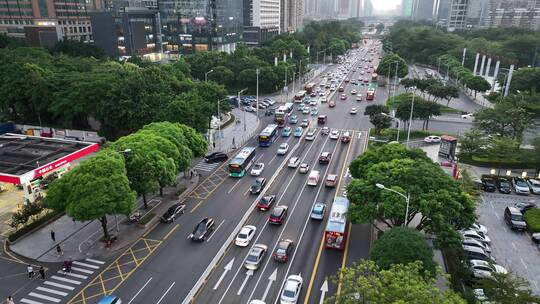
{"x": 488, "y": 183}
{"x": 266, "y": 202}
{"x": 484, "y": 270}
{"x": 534, "y": 185}
{"x": 477, "y": 235}
{"x": 524, "y": 206}
{"x": 173, "y": 212}
{"x": 514, "y": 218}
{"x": 475, "y": 253}
{"x": 475, "y": 243}
{"x": 521, "y": 186}
{"x": 283, "y": 250}
{"x": 479, "y": 227}
{"x": 245, "y": 235}
{"x": 504, "y": 185}
{"x": 255, "y": 256}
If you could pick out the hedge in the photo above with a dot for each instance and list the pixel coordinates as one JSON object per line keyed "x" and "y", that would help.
{"x": 147, "y": 218}
{"x": 532, "y": 218}
{"x": 482, "y": 161}
{"x": 29, "y": 227}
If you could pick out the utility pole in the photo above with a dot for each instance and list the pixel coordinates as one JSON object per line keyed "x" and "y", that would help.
{"x": 410, "y": 118}
{"x": 257, "y": 97}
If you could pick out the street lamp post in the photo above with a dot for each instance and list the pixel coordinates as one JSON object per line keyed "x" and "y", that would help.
{"x": 206, "y": 75}
{"x": 410, "y": 117}
{"x": 219, "y": 124}
{"x": 406, "y": 197}
{"x": 125, "y": 153}
{"x": 239, "y": 93}
{"x": 257, "y": 97}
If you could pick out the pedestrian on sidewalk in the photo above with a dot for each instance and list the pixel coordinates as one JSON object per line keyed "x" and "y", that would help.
{"x": 53, "y": 236}
{"x": 190, "y": 174}
{"x": 59, "y": 250}
{"x": 9, "y": 300}
{"x": 30, "y": 270}
{"x": 42, "y": 272}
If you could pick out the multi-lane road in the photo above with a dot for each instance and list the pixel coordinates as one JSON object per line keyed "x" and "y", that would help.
{"x": 173, "y": 269}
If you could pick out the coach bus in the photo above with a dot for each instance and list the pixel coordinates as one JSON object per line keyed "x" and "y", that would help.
{"x": 268, "y": 135}
{"x": 299, "y": 96}
{"x": 335, "y": 232}
{"x": 241, "y": 162}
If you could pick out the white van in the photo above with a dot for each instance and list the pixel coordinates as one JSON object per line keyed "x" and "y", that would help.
{"x": 313, "y": 178}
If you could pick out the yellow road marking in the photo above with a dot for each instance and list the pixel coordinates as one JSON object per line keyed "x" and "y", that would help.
{"x": 196, "y": 206}
{"x": 316, "y": 265}
{"x": 171, "y": 232}
{"x": 102, "y": 285}
{"x": 119, "y": 270}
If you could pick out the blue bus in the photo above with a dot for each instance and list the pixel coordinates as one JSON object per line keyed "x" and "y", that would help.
{"x": 268, "y": 135}
{"x": 241, "y": 162}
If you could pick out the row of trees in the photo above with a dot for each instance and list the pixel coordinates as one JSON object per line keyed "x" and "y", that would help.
{"x": 135, "y": 165}
{"x": 72, "y": 92}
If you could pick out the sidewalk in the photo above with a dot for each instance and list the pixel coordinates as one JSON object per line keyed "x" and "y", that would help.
{"x": 80, "y": 240}
{"x": 236, "y": 133}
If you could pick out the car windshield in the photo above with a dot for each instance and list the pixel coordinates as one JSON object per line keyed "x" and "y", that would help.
{"x": 317, "y": 209}
{"x": 280, "y": 251}
{"x": 200, "y": 228}
{"x": 252, "y": 257}
{"x": 242, "y": 236}
{"x": 277, "y": 212}
{"x": 257, "y": 166}
{"x": 521, "y": 183}
{"x": 517, "y": 217}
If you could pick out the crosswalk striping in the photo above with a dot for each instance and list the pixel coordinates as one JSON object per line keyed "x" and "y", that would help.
{"x": 202, "y": 166}
{"x": 56, "y": 288}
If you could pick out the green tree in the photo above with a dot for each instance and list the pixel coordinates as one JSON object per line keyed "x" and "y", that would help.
{"x": 502, "y": 148}
{"x": 477, "y": 83}
{"x": 508, "y": 288}
{"x": 376, "y": 109}
{"x": 525, "y": 80}
{"x": 97, "y": 187}
{"x": 387, "y": 66}
{"x": 380, "y": 122}
{"x": 367, "y": 283}
{"x": 77, "y": 49}
{"x": 412, "y": 247}
{"x": 471, "y": 143}
{"x": 222, "y": 75}
{"x": 509, "y": 118}
{"x": 450, "y": 92}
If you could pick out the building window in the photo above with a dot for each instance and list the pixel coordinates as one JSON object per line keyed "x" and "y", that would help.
{"x": 43, "y": 8}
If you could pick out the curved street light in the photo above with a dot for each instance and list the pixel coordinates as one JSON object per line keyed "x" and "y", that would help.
{"x": 406, "y": 197}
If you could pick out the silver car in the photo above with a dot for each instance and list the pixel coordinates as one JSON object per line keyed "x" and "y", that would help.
{"x": 255, "y": 256}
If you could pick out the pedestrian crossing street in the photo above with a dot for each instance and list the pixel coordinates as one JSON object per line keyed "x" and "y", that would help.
{"x": 202, "y": 166}
{"x": 57, "y": 287}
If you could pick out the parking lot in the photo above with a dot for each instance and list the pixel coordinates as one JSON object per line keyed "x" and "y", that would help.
{"x": 513, "y": 250}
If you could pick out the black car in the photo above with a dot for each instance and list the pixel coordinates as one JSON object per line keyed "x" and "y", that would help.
{"x": 216, "y": 157}
{"x": 283, "y": 250}
{"x": 504, "y": 185}
{"x": 173, "y": 212}
{"x": 258, "y": 185}
{"x": 488, "y": 183}
{"x": 278, "y": 215}
{"x": 202, "y": 230}
{"x": 524, "y": 206}
{"x": 266, "y": 202}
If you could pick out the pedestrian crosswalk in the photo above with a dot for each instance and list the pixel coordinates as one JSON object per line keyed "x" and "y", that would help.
{"x": 57, "y": 287}
{"x": 202, "y": 166}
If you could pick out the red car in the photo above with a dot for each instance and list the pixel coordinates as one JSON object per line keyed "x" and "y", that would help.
{"x": 278, "y": 215}
{"x": 283, "y": 250}
{"x": 266, "y": 202}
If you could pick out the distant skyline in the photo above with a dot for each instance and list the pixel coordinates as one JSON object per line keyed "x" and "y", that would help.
{"x": 385, "y": 5}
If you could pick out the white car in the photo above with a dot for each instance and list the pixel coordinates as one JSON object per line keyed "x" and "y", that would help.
{"x": 483, "y": 269}
{"x": 291, "y": 290}
{"x": 353, "y": 111}
{"x": 321, "y": 93}
{"x": 534, "y": 184}
{"x": 323, "y": 100}
{"x": 432, "y": 139}
{"x": 304, "y": 168}
{"x": 334, "y": 134}
{"x": 468, "y": 115}
{"x": 293, "y": 162}
{"x": 257, "y": 169}
{"x": 245, "y": 235}
{"x": 477, "y": 235}
{"x": 353, "y": 92}
{"x": 313, "y": 103}
{"x": 479, "y": 227}
{"x": 249, "y": 109}
{"x": 283, "y": 149}
{"x": 305, "y": 111}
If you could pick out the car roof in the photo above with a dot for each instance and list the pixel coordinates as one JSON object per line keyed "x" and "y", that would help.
{"x": 473, "y": 249}
{"x": 513, "y": 210}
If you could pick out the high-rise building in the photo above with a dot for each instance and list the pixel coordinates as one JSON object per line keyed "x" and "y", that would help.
{"x": 368, "y": 8}
{"x": 423, "y": 9}
{"x": 291, "y": 15}
{"x": 458, "y": 15}
{"x": 442, "y": 11}
{"x": 477, "y": 13}
{"x": 261, "y": 20}
{"x": 407, "y": 8}
{"x": 514, "y": 13}
{"x": 67, "y": 18}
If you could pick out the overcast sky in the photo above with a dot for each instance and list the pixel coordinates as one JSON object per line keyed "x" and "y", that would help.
{"x": 384, "y": 5}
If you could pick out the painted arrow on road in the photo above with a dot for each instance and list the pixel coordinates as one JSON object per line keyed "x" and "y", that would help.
{"x": 249, "y": 273}
{"x": 324, "y": 290}
{"x": 227, "y": 268}
{"x": 271, "y": 279}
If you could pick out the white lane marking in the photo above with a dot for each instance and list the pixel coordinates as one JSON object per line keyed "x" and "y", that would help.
{"x": 272, "y": 159}
{"x": 491, "y": 204}
{"x": 534, "y": 283}
{"x": 497, "y": 216}
{"x": 44, "y": 297}
{"x": 95, "y": 261}
{"x": 85, "y": 265}
{"x": 60, "y": 293}
{"x": 82, "y": 270}
{"x": 138, "y": 292}
{"x": 227, "y": 268}
{"x": 523, "y": 263}
{"x": 320, "y": 187}
{"x": 78, "y": 276}
{"x": 232, "y": 188}
{"x": 249, "y": 274}
{"x": 166, "y": 292}
{"x": 514, "y": 245}
{"x": 215, "y": 231}
{"x": 58, "y": 285}
{"x": 65, "y": 280}
{"x": 271, "y": 280}
{"x": 27, "y": 301}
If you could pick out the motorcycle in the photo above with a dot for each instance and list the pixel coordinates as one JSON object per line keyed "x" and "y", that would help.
{"x": 135, "y": 217}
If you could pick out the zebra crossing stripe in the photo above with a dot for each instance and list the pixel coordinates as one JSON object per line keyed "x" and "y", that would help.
{"x": 82, "y": 270}
{"x": 85, "y": 265}
{"x": 79, "y": 276}
{"x": 44, "y": 297}
{"x": 65, "y": 280}
{"x": 27, "y": 301}
{"x": 60, "y": 293}
{"x": 58, "y": 285}
{"x": 95, "y": 261}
